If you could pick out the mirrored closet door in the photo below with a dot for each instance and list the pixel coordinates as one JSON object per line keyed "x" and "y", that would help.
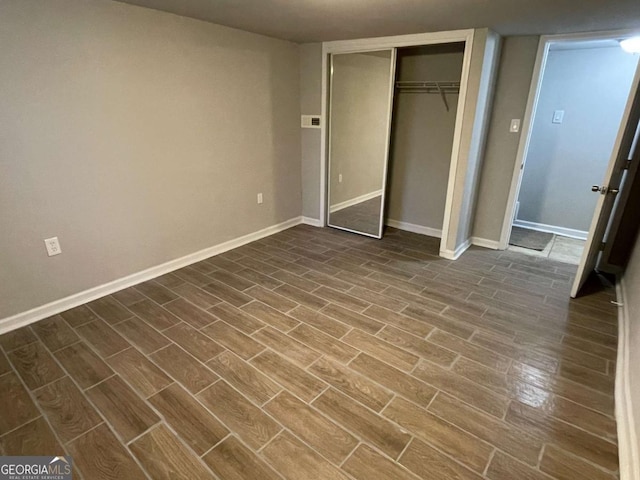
{"x": 360, "y": 103}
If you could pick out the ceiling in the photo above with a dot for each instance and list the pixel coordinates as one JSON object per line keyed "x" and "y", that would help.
{"x": 322, "y": 20}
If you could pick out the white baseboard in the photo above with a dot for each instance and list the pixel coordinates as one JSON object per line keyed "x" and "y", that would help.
{"x": 314, "y": 222}
{"x": 25, "y": 318}
{"x": 541, "y": 227}
{"x": 486, "y": 243}
{"x": 354, "y": 201}
{"x": 627, "y": 435}
{"x": 455, "y": 254}
{"x": 411, "y": 227}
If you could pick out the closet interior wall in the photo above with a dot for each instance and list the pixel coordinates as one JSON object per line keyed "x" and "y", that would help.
{"x": 422, "y": 139}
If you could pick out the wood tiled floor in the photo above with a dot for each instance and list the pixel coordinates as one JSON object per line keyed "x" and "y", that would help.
{"x": 317, "y": 354}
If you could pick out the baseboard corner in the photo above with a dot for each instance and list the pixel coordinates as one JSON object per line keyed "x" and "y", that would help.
{"x": 485, "y": 243}
{"x": 455, "y": 254}
{"x": 314, "y": 222}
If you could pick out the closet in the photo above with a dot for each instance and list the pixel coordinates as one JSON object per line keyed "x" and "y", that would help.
{"x": 404, "y": 121}
{"x": 427, "y": 86}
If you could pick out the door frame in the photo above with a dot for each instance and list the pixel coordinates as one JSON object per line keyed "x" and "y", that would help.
{"x": 398, "y": 41}
{"x": 530, "y": 113}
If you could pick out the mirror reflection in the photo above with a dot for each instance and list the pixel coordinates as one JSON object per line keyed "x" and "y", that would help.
{"x": 359, "y": 122}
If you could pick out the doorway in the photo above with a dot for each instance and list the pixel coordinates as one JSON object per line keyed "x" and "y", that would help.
{"x": 579, "y": 94}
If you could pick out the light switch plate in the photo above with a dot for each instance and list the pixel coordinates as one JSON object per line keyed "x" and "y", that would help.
{"x": 310, "y": 121}
{"x": 514, "y": 127}
{"x": 558, "y": 116}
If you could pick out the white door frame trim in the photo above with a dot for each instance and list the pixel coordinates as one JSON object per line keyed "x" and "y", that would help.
{"x": 368, "y": 44}
{"x": 530, "y": 113}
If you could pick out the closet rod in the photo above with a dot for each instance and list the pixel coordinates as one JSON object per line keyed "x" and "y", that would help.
{"x": 441, "y": 88}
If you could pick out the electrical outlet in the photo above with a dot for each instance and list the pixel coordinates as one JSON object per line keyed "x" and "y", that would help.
{"x": 53, "y": 246}
{"x": 259, "y": 198}
{"x": 340, "y": 178}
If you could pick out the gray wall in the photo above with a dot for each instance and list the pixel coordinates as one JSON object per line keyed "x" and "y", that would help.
{"x": 422, "y": 137}
{"x": 564, "y": 160}
{"x": 360, "y": 91}
{"x": 310, "y": 104}
{"x": 136, "y": 137}
{"x": 518, "y": 57}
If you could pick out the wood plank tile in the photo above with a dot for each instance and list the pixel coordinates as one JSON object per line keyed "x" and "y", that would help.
{"x": 379, "y": 299}
{"x": 351, "y": 383}
{"x": 191, "y": 421}
{"x": 244, "y": 377}
{"x": 366, "y": 463}
{"x": 236, "y": 318}
{"x": 197, "y": 344}
{"x": 55, "y": 333}
{"x": 227, "y": 293}
{"x": 394, "y": 379}
{"x": 165, "y": 457}
{"x": 564, "y": 466}
{"x": 320, "y": 321}
{"x": 381, "y": 350}
{"x": 411, "y": 325}
{"x": 249, "y": 422}
{"x": 417, "y": 346}
{"x": 14, "y": 398}
{"x": 68, "y": 411}
{"x": 274, "y": 300}
{"x": 17, "y": 338}
{"x": 327, "y": 280}
{"x": 356, "y": 320}
{"x": 231, "y": 280}
{"x": 514, "y": 441}
{"x": 342, "y": 299}
{"x": 295, "y": 461}
{"x": 289, "y": 375}
{"x": 259, "y": 278}
{"x": 300, "y": 296}
{"x": 128, "y": 296}
{"x": 462, "y": 388}
{"x": 189, "y": 313}
{"x": 463, "y": 446}
{"x": 156, "y": 292}
{"x": 372, "y": 428}
{"x": 589, "y": 420}
{"x": 141, "y": 374}
{"x": 445, "y": 324}
{"x": 355, "y": 276}
{"x": 427, "y": 462}
{"x": 103, "y": 338}
{"x": 101, "y": 456}
{"x": 33, "y": 438}
{"x": 109, "y": 309}
{"x": 84, "y": 366}
{"x": 231, "y": 460}
{"x": 323, "y": 343}
{"x": 192, "y": 275}
{"x": 503, "y": 467}
{"x": 270, "y": 316}
{"x": 184, "y": 368}
{"x": 562, "y": 434}
{"x": 78, "y": 316}
{"x": 236, "y": 341}
{"x": 142, "y": 335}
{"x": 225, "y": 263}
{"x": 196, "y": 295}
{"x": 329, "y": 439}
{"x": 587, "y": 377}
{"x": 478, "y": 354}
{"x": 156, "y": 316}
{"x": 122, "y": 408}
{"x": 35, "y": 365}
{"x": 4, "y": 363}
{"x": 295, "y": 281}
{"x": 287, "y": 346}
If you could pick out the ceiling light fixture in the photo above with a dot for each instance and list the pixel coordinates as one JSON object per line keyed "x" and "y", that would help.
{"x": 631, "y": 45}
